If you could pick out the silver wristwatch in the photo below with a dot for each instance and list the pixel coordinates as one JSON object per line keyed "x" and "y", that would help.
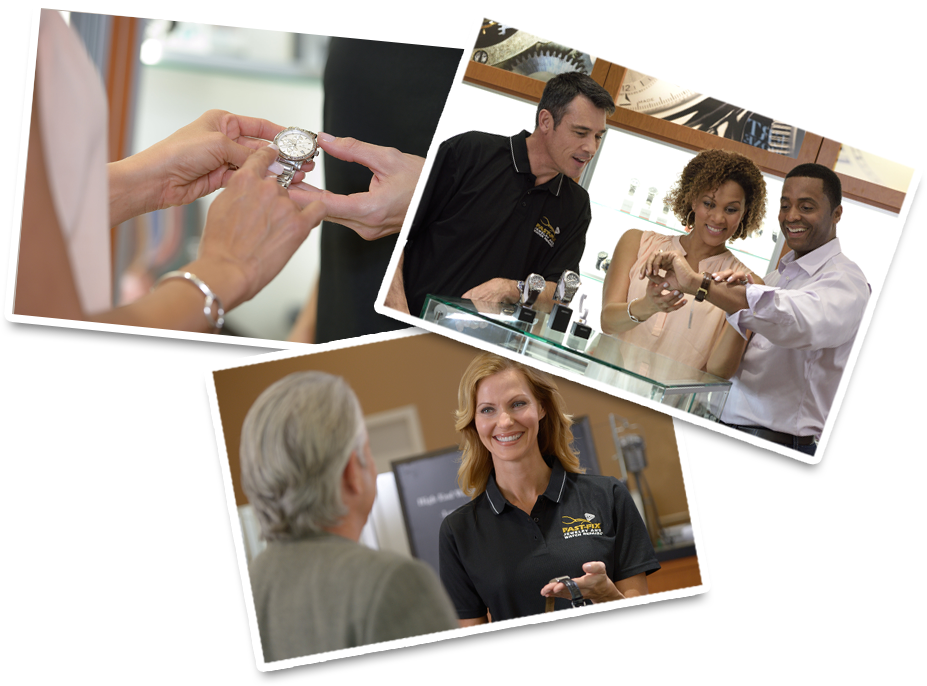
{"x": 566, "y": 287}
{"x": 534, "y": 285}
{"x": 295, "y": 147}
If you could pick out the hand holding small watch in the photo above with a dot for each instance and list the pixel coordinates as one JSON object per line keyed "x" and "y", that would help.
{"x": 677, "y": 276}
{"x": 381, "y": 210}
{"x": 734, "y": 277}
{"x": 295, "y": 147}
{"x": 594, "y": 585}
{"x": 191, "y": 163}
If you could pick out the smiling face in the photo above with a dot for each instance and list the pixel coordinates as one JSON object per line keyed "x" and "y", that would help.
{"x": 805, "y": 215}
{"x": 572, "y": 143}
{"x": 718, "y": 213}
{"x": 508, "y": 416}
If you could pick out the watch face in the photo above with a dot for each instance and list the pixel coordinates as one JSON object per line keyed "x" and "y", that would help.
{"x": 296, "y": 144}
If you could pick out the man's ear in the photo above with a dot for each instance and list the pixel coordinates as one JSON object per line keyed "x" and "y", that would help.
{"x": 838, "y": 212}
{"x": 353, "y": 475}
{"x": 545, "y": 121}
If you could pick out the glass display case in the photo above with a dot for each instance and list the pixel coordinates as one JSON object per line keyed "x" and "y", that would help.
{"x": 598, "y": 357}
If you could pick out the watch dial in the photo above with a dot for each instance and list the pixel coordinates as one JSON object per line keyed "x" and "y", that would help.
{"x": 296, "y": 144}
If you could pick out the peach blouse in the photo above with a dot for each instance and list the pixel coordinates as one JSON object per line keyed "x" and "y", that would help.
{"x": 689, "y": 334}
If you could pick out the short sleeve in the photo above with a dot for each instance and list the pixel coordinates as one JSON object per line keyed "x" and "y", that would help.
{"x": 442, "y": 179}
{"x": 464, "y": 596}
{"x": 634, "y": 552}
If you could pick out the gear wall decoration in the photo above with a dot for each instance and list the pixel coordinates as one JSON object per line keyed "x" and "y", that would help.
{"x": 519, "y": 52}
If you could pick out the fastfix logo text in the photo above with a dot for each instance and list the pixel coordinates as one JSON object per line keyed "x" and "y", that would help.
{"x": 580, "y": 526}
{"x": 544, "y": 229}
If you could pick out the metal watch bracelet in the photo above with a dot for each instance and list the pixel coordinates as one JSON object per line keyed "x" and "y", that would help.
{"x": 290, "y": 167}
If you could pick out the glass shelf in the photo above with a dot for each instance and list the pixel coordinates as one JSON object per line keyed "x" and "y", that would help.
{"x": 602, "y": 358}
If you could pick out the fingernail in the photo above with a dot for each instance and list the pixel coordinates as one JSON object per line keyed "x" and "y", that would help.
{"x": 326, "y": 137}
{"x": 275, "y": 167}
{"x": 666, "y": 285}
{"x": 675, "y": 292}
{"x": 273, "y": 146}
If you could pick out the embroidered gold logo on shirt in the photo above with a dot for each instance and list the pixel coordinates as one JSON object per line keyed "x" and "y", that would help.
{"x": 547, "y": 231}
{"x": 580, "y": 526}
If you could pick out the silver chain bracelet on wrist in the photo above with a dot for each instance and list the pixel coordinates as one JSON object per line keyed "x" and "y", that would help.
{"x": 211, "y": 297}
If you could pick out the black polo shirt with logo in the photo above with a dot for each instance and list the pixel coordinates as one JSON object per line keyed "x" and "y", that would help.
{"x": 482, "y": 217}
{"x": 493, "y": 556}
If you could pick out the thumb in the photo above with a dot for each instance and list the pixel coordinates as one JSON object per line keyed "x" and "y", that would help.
{"x": 594, "y": 568}
{"x": 235, "y": 153}
{"x": 353, "y": 150}
{"x": 258, "y": 161}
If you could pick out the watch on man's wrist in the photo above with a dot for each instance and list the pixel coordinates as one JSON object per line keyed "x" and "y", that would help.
{"x": 295, "y": 146}
{"x": 702, "y": 291}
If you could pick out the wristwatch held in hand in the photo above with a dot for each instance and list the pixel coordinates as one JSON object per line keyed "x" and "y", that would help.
{"x": 295, "y": 147}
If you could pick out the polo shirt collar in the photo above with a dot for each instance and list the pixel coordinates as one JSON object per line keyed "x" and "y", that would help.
{"x": 554, "y": 491}
{"x": 518, "y": 145}
{"x": 815, "y": 260}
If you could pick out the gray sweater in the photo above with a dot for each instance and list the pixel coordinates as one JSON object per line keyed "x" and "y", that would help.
{"x": 326, "y": 592}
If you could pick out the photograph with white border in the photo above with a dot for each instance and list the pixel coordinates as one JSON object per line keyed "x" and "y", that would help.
{"x": 767, "y": 363}
{"x": 367, "y": 578}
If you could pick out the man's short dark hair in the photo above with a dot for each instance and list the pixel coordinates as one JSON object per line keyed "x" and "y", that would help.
{"x": 563, "y": 88}
{"x": 832, "y": 187}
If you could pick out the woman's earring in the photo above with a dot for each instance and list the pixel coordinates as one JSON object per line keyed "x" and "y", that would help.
{"x": 691, "y": 226}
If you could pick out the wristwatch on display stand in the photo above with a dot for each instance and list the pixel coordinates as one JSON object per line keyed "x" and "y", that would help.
{"x": 534, "y": 286}
{"x": 295, "y": 147}
{"x": 580, "y": 331}
{"x": 560, "y": 314}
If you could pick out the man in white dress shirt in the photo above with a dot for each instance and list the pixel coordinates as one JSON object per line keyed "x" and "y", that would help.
{"x": 804, "y": 319}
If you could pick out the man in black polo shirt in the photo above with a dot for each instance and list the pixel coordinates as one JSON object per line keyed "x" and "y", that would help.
{"x": 497, "y": 208}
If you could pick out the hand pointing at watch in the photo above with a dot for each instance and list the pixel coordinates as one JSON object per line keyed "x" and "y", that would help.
{"x": 379, "y": 211}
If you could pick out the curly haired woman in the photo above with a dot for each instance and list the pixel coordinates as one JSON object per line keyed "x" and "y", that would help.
{"x": 720, "y": 196}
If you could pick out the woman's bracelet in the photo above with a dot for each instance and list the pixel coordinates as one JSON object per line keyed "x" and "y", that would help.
{"x": 211, "y": 297}
{"x": 631, "y": 316}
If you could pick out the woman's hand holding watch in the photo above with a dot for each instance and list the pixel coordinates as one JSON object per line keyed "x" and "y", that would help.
{"x": 594, "y": 585}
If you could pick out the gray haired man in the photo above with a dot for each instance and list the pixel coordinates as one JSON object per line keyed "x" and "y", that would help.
{"x": 308, "y": 473}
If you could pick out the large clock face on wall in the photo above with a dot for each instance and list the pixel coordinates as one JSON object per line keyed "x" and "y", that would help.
{"x": 664, "y": 100}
